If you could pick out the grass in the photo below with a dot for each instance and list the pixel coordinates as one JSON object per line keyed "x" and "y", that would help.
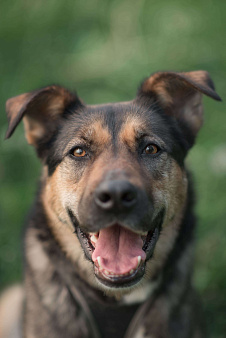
{"x": 103, "y": 49}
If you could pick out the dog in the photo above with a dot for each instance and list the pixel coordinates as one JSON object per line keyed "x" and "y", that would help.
{"x": 108, "y": 248}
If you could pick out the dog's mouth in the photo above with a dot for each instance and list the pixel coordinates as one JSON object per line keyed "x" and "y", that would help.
{"x": 118, "y": 254}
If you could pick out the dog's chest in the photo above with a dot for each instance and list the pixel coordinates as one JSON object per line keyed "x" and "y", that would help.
{"x": 113, "y": 320}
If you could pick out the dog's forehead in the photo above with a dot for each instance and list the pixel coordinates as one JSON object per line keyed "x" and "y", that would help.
{"x": 122, "y": 120}
{"x": 115, "y": 124}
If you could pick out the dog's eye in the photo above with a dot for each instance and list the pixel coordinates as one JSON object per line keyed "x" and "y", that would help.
{"x": 79, "y": 152}
{"x": 151, "y": 149}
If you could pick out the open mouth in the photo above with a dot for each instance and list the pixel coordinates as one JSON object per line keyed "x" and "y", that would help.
{"x": 118, "y": 254}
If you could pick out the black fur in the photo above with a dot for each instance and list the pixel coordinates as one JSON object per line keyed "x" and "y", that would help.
{"x": 67, "y": 293}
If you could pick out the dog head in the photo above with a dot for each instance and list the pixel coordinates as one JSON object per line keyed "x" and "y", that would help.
{"x": 114, "y": 173}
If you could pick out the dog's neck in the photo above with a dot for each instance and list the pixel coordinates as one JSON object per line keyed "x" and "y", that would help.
{"x": 42, "y": 242}
{"x": 141, "y": 294}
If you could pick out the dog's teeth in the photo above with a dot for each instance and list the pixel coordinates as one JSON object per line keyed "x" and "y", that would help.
{"x": 94, "y": 238}
{"x": 96, "y": 234}
{"x": 138, "y": 260}
{"x": 112, "y": 274}
{"x": 98, "y": 260}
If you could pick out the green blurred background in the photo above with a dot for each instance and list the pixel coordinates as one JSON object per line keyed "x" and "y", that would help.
{"x": 103, "y": 49}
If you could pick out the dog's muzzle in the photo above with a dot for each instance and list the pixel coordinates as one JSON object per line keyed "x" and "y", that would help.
{"x": 116, "y": 232}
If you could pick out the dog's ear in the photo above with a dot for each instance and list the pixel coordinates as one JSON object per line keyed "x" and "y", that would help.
{"x": 41, "y": 111}
{"x": 180, "y": 95}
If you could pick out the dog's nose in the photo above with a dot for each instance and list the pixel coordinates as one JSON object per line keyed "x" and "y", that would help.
{"x": 115, "y": 194}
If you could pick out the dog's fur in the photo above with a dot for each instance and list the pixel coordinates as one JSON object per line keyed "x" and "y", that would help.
{"x": 65, "y": 294}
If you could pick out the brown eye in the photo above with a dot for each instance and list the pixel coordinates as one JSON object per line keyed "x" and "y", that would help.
{"x": 151, "y": 149}
{"x": 79, "y": 152}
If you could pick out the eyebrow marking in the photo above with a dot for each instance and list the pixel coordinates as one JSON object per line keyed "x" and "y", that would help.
{"x": 131, "y": 131}
{"x": 93, "y": 134}
{"x": 98, "y": 133}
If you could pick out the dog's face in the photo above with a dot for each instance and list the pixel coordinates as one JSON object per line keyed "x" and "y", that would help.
{"x": 117, "y": 171}
{"x": 114, "y": 173}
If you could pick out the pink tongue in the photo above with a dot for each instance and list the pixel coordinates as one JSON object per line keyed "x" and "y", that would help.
{"x": 118, "y": 249}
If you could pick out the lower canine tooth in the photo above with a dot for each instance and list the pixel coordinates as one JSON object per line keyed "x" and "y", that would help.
{"x": 96, "y": 234}
{"x": 93, "y": 238}
{"x": 138, "y": 260}
{"x": 98, "y": 260}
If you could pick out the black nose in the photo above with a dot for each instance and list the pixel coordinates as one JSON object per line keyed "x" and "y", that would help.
{"x": 115, "y": 194}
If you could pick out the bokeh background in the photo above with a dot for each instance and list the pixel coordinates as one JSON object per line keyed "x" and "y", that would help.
{"x": 103, "y": 49}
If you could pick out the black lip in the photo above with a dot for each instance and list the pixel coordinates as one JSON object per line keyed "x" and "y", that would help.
{"x": 73, "y": 218}
{"x": 149, "y": 246}
{"x": 85, "y": 243}
{"x": 119, "y": 282}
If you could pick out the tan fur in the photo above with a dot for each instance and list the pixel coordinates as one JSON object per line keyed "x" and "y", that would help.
{"x": 72, "y": 188}
{"x": 129, "y": 131}
{"x": 11, "y": 304}
{"x": 61, "y": 189}
{"x": 35, "y": 129}
{"x": 141, "y": 293}
{"x": 153, "y": 83}
{"x": 55, "y": 196}
{"x": 15, "y": 104}
{"x": 99, "y": 134}
{"x": 193, "y": 112}
{"x": 177, "y": 93}
{"x": 41, "y": 108}
{"x": 171, "y": 192}
{"x": 164, "y": 83}
{"x": 94, "y": 132}
{"x": 198, "y": 76}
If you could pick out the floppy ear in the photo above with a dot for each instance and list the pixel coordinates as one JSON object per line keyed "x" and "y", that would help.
{"x": 41, "y": 111}
{"x": 180, "y": 95}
